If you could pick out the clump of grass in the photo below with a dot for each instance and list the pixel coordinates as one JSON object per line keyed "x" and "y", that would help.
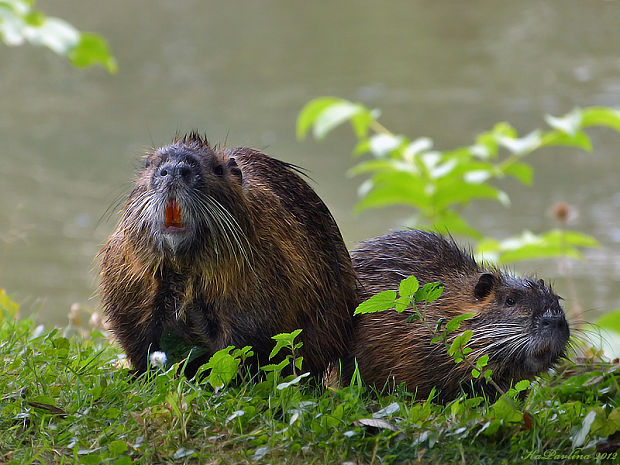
{"x": 69, "y": 399}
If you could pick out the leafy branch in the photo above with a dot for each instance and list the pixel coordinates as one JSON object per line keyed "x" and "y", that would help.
{"x": 20, "y": 23}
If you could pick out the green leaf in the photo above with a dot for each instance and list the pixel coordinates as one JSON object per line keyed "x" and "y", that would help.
{"x": 600, "y": 116}
{"x": 8, "y": 308}
{"x": 276, "y": 367}
{"x": 283, "y": 340}
{"x": 377, "y": 303}
{"x": 117, "y": 447}
{"x": 554, "y": 243}
{"x": 521, "y": 171}
{"x": 475, "y": 373}
{"x": 455, "y": 323}
{"x": 310, "y": 113}
{"x": 414, "y": 317}
{"x": 223, "y": 367}
{"x": 450, "y": 222}
{"x": 402, "y": 303}
{"x": 361, "y": 122}
{"x": 394, "y": 189}
{"x": 522, "y": 385}
{"x": 430, "y": 292}
{"x": 292, "y": 382}
{"x": 460, "y": 341}
{"x": 383, "y": 144}
{"x": 610, "y": 320}
{"x": 408, "y": 287}
{"x": 580, "y": 140}
{"x": 461, "y": 192}
{"x": 520, "y": 146}
{"x": 334, "y": 115}
{"x": 569, "y": 124}
{"x": 381, "y": 165}
{"x": 93, "y": 50}
{"x": 482, "y": 361}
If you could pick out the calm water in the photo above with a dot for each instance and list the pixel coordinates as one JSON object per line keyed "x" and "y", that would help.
{"x": 241, "y": 71}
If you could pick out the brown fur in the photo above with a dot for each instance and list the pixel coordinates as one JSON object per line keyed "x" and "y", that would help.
{"x": 276, "y": 263}
{"x": 522, "y": 339}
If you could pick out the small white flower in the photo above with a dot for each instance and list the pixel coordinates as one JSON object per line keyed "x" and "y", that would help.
{"x": 158, "y": 359}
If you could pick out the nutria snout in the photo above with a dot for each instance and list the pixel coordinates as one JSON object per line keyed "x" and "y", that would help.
{"x": 518, "y": 322}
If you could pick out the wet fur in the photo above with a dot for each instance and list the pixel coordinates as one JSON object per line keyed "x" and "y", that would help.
{"x": 264, "y": 257}
{"x": 390, "y": 351}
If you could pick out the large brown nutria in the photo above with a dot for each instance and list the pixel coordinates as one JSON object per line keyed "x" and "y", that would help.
{"x": 519, "y": 322}
{"x": 220, "y": 247}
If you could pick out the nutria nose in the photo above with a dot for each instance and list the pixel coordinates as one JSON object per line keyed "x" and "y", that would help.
{"x": 177, "y": 169}
{"x": 553, "y": 322}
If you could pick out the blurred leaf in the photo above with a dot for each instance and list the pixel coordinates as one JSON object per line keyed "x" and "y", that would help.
{"x": 311, "y": 111}
{"x": 521, "y": 171}
{"x": 600, "y": 116}
{"x": 450, "y": 222}
{"x": 8, "y": 308}
{"x": 377, "y": 303}
{"x": 523, "y": 145}
{"x": 93, "y": 50}
{"x": 529, "y": 246}
{"x": 382, "y": 144}
{"x": 361, "y": 122}
{"x": 381, "y": 165}
{"x": 569, "y": 124}
{"x": 324, "y": 114}
{"x": 397, "y": 188}
{"x": 20, "y": 23}
{"x": 580, "y": 140}
{"x": 460, "y": 192}
{"x": 522, "y": 385}
{"x": 610, "y": 320}
{"x": 580, "y": 437}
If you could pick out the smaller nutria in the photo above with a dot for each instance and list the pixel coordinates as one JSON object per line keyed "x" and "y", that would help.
{"x": 519, "y": 322}
{"x": 220, "y": 247}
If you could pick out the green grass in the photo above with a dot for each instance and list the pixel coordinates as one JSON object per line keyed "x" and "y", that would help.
{"x": 67, "y": 399}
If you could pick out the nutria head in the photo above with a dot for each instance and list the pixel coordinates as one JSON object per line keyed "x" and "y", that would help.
{"x": 521, "y": 325}
{"x": 187, "y": 201}
{"x": 518, "y": 322}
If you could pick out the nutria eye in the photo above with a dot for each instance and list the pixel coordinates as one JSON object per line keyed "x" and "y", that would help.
{"x": 219, "y": 170}
{"x": 510, "y": 301}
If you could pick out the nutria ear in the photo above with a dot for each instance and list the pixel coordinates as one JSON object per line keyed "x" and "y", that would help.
{"x": 541, "y": 282}
{"x": 486, "y": 283}
{"x": 234, "y": 169}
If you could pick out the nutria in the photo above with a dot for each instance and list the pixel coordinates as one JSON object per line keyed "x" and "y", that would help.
{"x": 220, "y": 247}
{"x": 519, "y": 322}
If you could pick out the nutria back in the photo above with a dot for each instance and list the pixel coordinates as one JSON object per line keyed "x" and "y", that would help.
{"x": 226, "y": 247}
{"x": 519, "y": 322}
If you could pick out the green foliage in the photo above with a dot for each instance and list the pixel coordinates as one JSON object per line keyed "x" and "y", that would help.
{"x": 438, "y": 184}
{"x": 552, "y": 244}
{"x": 610, "y": 320}
{"x": 20, "y": 22}
{"x": 8, "y": 308}
{"x": 68, "y": 400}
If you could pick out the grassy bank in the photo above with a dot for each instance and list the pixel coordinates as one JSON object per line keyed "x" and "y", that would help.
{"x": 67, "y": 399}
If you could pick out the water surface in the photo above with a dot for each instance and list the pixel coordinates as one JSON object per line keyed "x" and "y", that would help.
{"x": 241, "y": 71}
